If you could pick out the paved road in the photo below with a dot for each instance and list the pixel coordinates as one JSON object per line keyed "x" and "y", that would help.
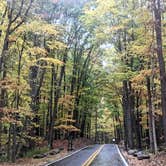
{"x": 109, "y": 156}
{"x": 77, "y": 159}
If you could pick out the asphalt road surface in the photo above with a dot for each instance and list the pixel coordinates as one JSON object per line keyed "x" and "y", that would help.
{"x": 108, "y": 156}
{"x": 77, "y": 159}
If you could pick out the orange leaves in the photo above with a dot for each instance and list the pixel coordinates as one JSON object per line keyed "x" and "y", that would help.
{"x": 69, "y": 128}
{"x": 141, "y": 77}
{"x": 158, "y": 112}
{"x": 12, "y": 115}
{"x": 11, "y": 84}
{"x": 65, "y": 119}
{"x": 12, "y": 39}
{"x": 139, "y": 80}
{"x": 6, "y": 82}
{"x": 66, "y": 98}
{"x": 67, "y": 101}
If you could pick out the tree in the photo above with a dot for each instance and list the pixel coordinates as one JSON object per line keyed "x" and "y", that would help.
{"x": 157, "y": 14}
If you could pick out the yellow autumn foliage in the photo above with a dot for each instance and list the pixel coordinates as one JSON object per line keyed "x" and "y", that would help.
{"x": 39, "y": 27}
{"x": 50, "y": 61}
{"x": 38, "y": 51}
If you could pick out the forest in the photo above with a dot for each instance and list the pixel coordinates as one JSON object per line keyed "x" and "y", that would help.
{"x": 89, "y": 70}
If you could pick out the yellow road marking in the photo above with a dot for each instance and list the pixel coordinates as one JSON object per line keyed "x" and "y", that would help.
{"x": 93, "y": 156}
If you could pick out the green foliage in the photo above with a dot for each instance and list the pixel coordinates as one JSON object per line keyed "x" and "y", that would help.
{"x": 38, "y": 150}
{"x": 63, "y": 67}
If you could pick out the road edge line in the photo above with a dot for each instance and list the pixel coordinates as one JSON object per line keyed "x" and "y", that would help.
{"x": 122, "y": 157}
{"x": 93, "y": 156}
{"x": 48, "y": 164}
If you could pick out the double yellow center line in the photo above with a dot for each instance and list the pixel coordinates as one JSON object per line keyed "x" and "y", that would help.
{"x": 93, "y": 156}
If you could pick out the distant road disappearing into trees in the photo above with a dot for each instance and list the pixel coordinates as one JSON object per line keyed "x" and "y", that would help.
{"x": 95, "y": 155}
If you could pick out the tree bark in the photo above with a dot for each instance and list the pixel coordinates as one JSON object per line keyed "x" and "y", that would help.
{"x": 138, "y": 127}
{"x": 158, "y": 30}
{"x": 128, "y": 128}
{"x": 152, "y": 129}
{"x": 96, "y": 123}
{"x": 56, "y": 99}
{"x": 14, "y": 143}
{"x": 50, "y": 107}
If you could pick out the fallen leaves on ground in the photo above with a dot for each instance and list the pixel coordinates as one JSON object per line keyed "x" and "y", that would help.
{"x": 77, "y": 144}
{"x": 155, "y": 160}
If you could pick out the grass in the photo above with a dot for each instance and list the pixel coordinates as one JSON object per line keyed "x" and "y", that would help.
{"x": 3, "y": 159}
{"x": 36, "y": 151}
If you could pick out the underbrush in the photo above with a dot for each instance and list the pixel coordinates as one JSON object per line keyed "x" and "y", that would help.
{"x": 36, "y": 151}
{"x": 3, "y": 159}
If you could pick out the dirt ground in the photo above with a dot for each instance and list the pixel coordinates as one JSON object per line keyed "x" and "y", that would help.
{"x": 155, "y": 160}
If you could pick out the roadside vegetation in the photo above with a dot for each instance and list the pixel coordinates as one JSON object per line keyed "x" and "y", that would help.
{"x": 71, "y": 70}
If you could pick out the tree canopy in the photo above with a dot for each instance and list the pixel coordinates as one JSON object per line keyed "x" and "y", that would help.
{"x": 88, "y": 68}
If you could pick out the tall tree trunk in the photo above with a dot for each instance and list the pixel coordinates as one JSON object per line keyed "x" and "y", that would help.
{"x": 0, "y": 133}
{"x": 124, "y": 104}
{"x": 127, "y": 115}
{"x": 56, "y": 99}
{"x": 83, "y": 123}
{"x": 9, "y": 143}
{"x": 138, "y": 127}
{"x": 131, "y": 107}
{"x": 14, "y": 142}
{"x": 114, "y": 128}
{"x": 50, "y": 107}
{"x": 158, "y": 29}
{"x": 96, "y": 123}
{"x": 36, "y": 77}
{"x": 152, "y": 129}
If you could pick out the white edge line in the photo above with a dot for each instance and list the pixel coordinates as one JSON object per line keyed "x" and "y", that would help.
{"x": 124, "y": 161}
{"x": 66, "y": 156}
